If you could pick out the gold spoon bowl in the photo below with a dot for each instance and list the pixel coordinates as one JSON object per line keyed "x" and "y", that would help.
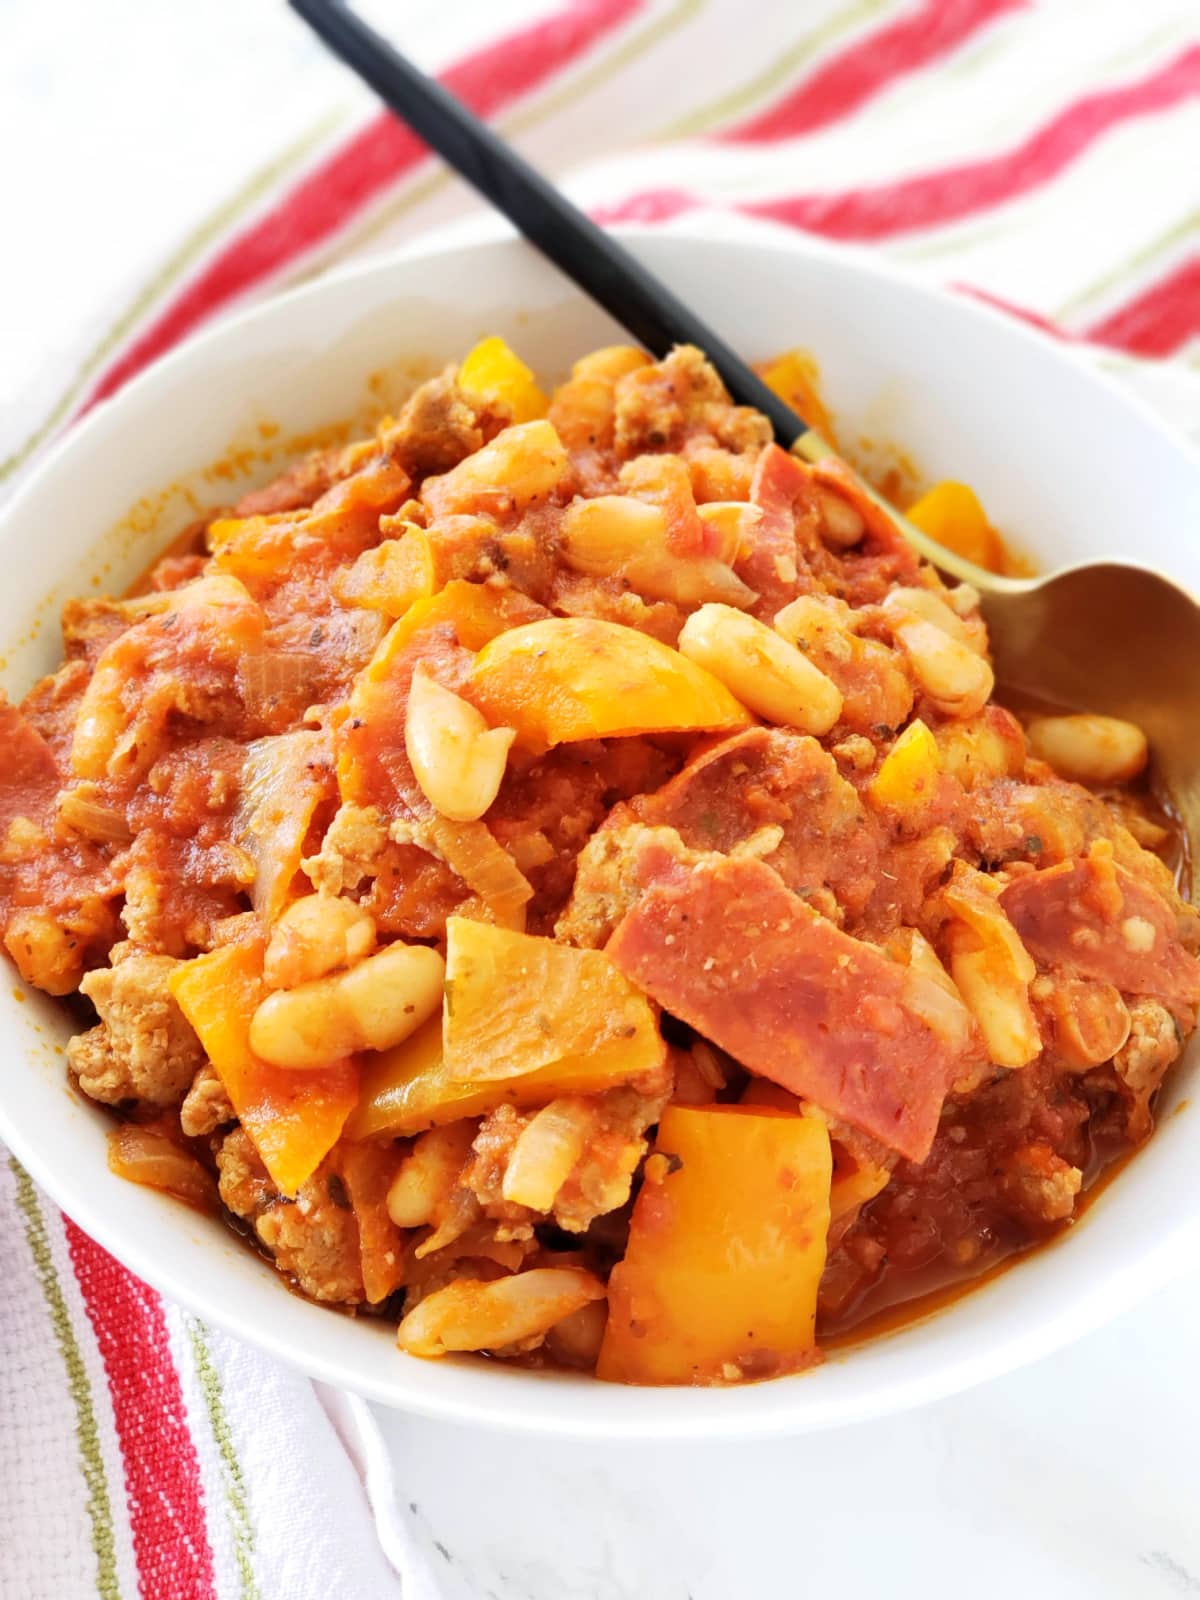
{"x": 1104, "y": 636}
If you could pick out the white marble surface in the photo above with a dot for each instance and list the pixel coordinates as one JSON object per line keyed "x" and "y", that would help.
{"x": 1077, "y": 1479}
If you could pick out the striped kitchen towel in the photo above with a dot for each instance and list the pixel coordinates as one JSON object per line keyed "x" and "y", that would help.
{"x": 1042, "y": 156}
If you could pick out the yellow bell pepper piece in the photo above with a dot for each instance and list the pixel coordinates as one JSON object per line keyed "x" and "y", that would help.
{"x": 495, "y": 376}
{"x": 569, "y": 678}
{"x": 409, "y": 1088}
{"x": 907, "y": 775}
{"x": 516, "y": 1002}
{"x": 726, "y": 1250}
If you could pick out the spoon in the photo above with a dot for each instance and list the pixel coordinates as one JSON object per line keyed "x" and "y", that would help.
{"x": 1104, "y": 636}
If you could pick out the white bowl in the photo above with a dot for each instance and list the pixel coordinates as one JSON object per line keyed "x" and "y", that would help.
{"x": 1063, "y": 459}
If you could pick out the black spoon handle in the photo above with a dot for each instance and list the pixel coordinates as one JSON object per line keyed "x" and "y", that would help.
{"x": 588, "y": 256}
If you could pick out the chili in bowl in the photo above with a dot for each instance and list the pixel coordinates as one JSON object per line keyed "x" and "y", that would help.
{"x": 555, "y": 873}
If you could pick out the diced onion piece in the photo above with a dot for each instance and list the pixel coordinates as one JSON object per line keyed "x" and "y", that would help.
{"x": 483, "y": 864}
{"x": 143, "y": 1155}
{"x": 283, "y": 780}
{"x": 729, "y": 526}
{"x": 276, "y": 678}
{"x": 92, "y": 818}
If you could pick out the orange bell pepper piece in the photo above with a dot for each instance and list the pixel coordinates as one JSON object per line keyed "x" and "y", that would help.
{"x": 293, "y": 1118}
{"x": 391, "y": 576}
{"x": 344, "y": 521}
{"x": 795, "y": 377}
{"x": 726, "y": 1250}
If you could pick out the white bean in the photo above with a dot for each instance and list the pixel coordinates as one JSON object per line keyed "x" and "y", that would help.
{"x": 842, "y": 525}
{"x": 1090, "y": 748}
{"x": 619, "y": 535}
{"x": 315, "y": 935}
{"x": 428, "y": 1173}
{"x": 521, "y": 465}
{"x": 457, "y": 759}
{"x": 992, "y": 969}
{"x": 996, "y": 993}
{"x": 391, "y": 994}
{"x": 766, "y": 673}
{"x": 957, "y": 680}
{"x": 546, "y": 1152}
{"x": 372, "y": 1007}
{"x": 924, "y": 603}
{"x": 820, "y": 628}
{"x": 600, "y": 535}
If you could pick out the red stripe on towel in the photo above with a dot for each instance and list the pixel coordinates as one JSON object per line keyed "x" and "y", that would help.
{"x": 869, "y": 65}
{"x": 162, "y": 1471}
{"x": 342, "y": 185}
{"x": 1022, "y": 313}
{"x": 1158, "y": 321}
{"x": 936, "y": 199}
